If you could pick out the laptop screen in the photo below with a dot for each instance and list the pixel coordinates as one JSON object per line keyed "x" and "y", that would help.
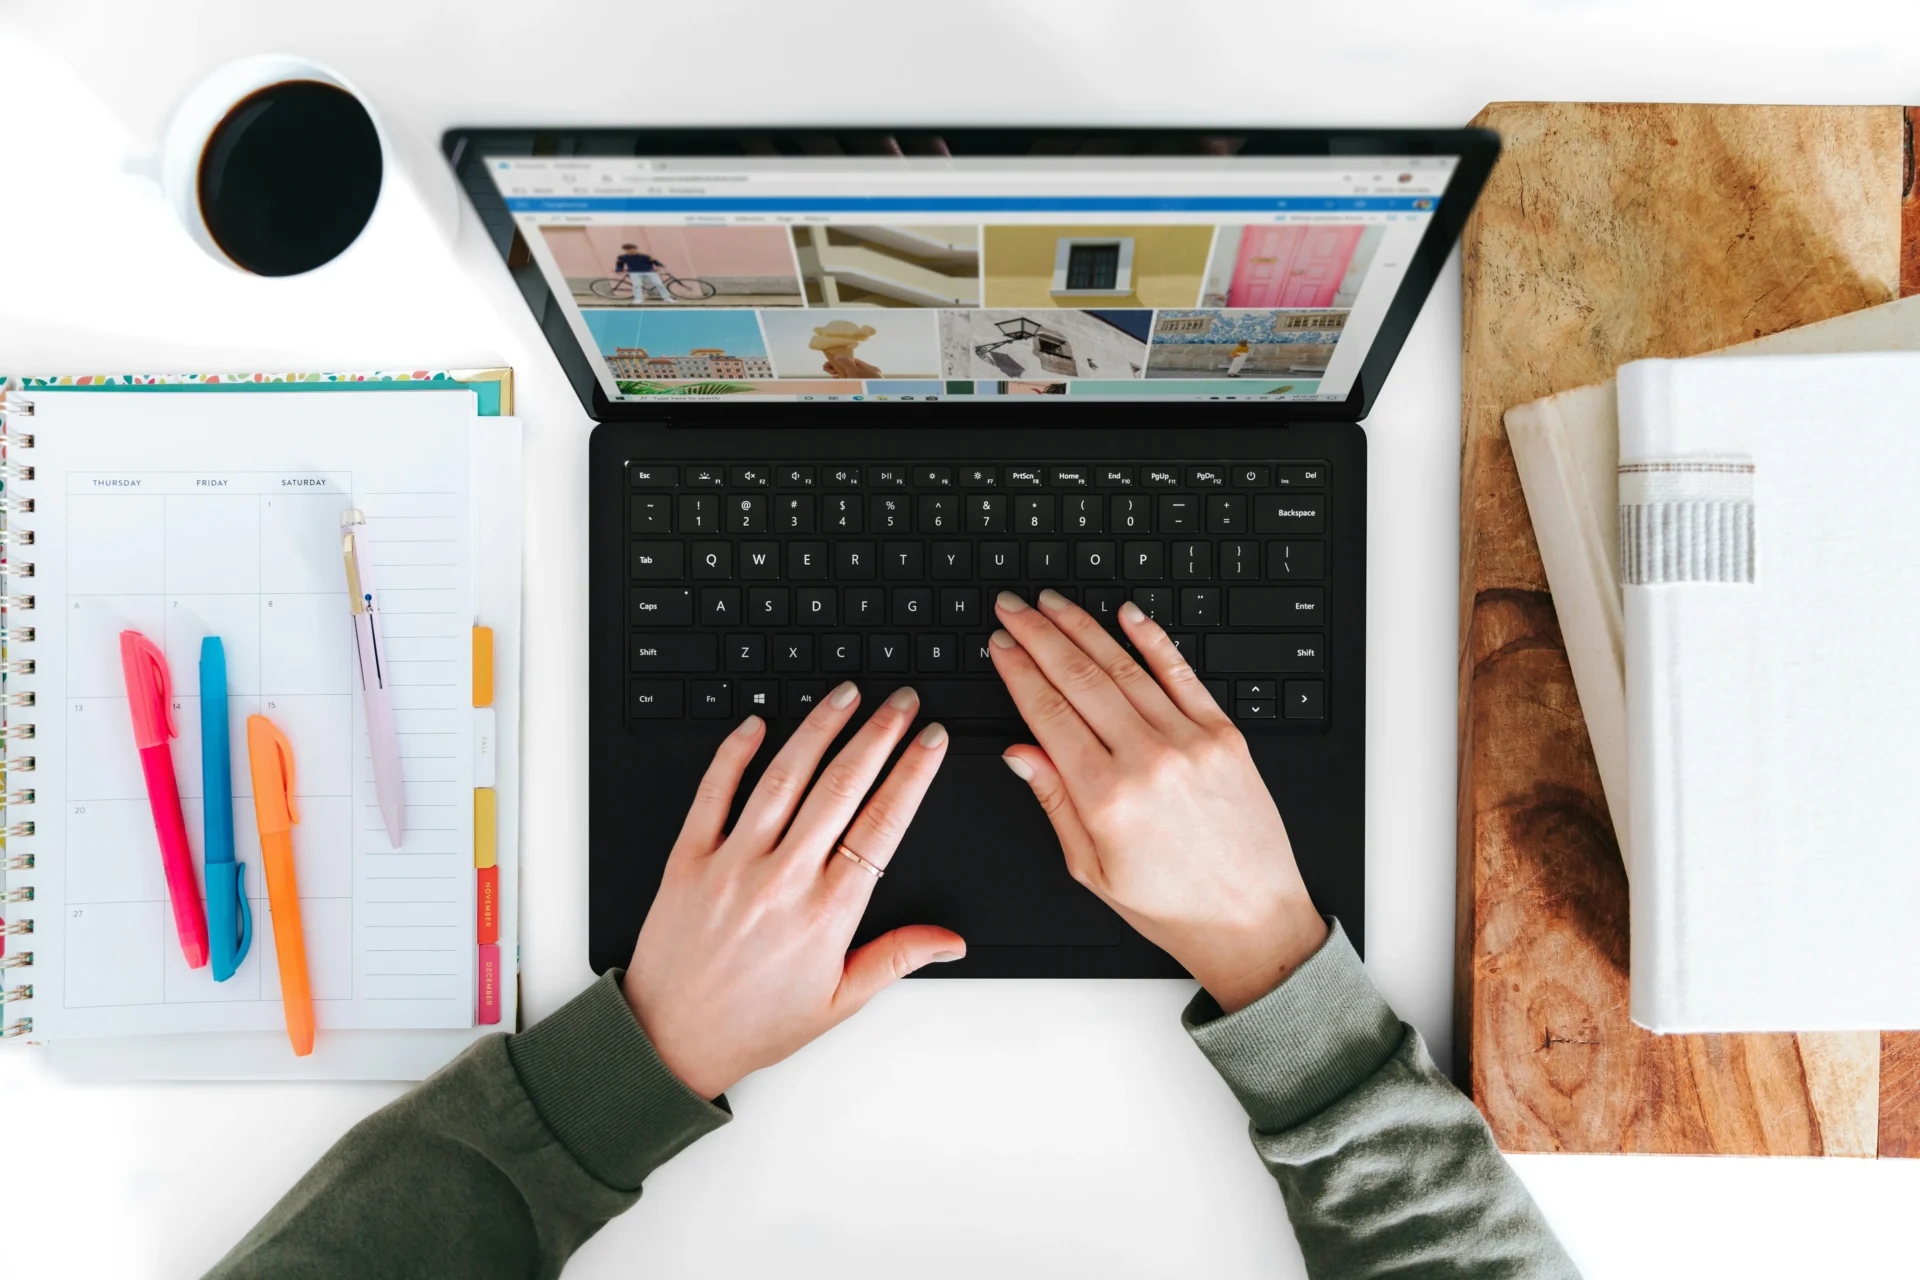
{"x": 896, "y": 278}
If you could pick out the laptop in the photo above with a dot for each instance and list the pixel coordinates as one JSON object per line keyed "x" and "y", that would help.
{"x": 849, "y": 385}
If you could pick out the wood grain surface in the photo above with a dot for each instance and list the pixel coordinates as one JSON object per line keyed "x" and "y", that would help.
{"x": 1608, "y": 233}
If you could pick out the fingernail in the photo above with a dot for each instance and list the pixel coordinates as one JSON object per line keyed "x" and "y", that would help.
{"x": 946, "y": 957}
{"x": 1021, "y": 769}
{"x": 932, "y": 736}
{"x": 903, "y": 697}
{"x": 1009, "y": 601}
{"x": 1051, "y": 599}
{"x": 1130, "y": 612}
{"x": 1004, "y": 640}
{"x": 845, "y": 694}
{"x": 750, "y": 725}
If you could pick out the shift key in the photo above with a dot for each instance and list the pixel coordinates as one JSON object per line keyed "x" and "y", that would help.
{"x": 1228, "y": 654}
{"x": 693, "y": 651}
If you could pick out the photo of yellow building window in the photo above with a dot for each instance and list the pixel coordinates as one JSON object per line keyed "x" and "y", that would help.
{"x": 1095, "y": 266}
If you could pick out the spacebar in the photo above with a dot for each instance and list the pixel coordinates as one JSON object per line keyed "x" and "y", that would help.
{"x": 947, "y": 699}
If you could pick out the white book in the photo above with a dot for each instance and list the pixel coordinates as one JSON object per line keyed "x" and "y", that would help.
{"x": 1567, "y": 448}
{"x": 1768, "y": 531}
{"x": 187, "y": 513}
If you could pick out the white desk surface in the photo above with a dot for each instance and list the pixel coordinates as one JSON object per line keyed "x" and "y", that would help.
{"x": 955, "y": 1128}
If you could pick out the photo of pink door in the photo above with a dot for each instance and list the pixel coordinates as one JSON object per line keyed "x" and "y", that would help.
{"x": 1291, "y": 266}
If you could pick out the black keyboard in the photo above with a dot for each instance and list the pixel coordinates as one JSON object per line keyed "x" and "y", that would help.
{"x": 757, "y": 588}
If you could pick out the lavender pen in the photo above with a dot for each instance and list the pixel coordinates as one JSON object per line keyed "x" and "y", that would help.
{"x": 381, "y": 742}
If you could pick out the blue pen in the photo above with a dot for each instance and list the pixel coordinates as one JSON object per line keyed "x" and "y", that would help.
{"x": 229, "y": 921}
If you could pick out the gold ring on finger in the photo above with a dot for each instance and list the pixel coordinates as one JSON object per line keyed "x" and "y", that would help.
{"x": 862, "y": 863}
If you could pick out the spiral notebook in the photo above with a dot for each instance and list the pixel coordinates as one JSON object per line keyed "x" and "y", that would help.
{"x": 185, "y": 513}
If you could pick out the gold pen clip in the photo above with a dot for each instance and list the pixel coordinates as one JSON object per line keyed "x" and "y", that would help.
{"x": 356, "y": 598}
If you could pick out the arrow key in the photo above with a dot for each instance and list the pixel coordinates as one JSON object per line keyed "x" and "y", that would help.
{"x": 1253, "y": 709}
{"x": 1305, "y": 699}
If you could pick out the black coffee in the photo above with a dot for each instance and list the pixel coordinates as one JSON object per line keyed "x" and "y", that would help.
{"x": 290, "y": 177}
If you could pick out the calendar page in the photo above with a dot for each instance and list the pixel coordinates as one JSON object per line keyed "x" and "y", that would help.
{"x": 186, "y": 516}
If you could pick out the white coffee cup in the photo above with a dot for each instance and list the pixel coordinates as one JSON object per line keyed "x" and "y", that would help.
{"x": 177, "y": 163}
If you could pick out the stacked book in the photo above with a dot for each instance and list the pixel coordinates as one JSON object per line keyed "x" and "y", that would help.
{"x": 1733, "y": 545}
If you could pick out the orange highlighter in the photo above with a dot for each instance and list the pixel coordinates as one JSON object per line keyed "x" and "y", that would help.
{"x": 270, "y": 757}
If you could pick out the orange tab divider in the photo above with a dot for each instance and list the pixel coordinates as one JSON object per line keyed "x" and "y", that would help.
{"x": 483, "y": 666}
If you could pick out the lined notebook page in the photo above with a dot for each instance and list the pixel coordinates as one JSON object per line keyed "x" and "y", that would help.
{"x": 184, "y": 516}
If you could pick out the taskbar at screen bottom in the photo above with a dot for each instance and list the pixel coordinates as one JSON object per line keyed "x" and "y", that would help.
{"x": 1265, "y": 387}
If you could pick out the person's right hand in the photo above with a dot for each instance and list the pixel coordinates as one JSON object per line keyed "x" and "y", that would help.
{"x": 1154, "y": 795}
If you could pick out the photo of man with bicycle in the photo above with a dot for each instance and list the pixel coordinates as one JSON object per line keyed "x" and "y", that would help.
{"x": 629, "y": 264}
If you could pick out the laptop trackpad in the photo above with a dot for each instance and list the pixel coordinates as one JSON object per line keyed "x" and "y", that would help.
{"x": 981, "y": 859}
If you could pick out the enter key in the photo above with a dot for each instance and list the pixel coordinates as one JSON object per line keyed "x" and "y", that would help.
{"x": 1276, "y": 606}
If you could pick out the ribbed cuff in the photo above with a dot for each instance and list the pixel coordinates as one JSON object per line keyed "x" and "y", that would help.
{"x": 1306, "y": 1043}
{"x": 597, "y": 1082}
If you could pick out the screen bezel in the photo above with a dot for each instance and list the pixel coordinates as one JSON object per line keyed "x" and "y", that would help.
{"x": 466, "y": 148}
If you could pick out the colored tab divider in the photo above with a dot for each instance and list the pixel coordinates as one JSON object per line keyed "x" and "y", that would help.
{"x": 485, "y": 835}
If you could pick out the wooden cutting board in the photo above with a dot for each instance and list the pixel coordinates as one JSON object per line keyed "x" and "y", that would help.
{"x": 1608, "y": 233}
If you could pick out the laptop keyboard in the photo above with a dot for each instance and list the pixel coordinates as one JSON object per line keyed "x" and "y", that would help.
{"x": 757, "y": 588}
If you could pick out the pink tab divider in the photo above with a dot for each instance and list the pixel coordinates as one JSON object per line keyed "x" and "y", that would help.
{"x": 489, "y": 984}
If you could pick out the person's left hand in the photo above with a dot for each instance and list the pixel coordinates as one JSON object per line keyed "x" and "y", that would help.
{"x": 743, "y": 958}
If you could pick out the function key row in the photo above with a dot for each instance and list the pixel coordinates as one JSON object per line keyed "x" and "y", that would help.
{"x": 644, "y": 475}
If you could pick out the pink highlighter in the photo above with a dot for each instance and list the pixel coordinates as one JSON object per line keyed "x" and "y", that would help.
{"x": 150, "y": 699}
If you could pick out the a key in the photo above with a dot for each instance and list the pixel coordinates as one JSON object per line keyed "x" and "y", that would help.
{"x": 1206, "y": 475}
{"x": 1025, "y": 477}
{"x": 1239, "y": 560}
{"x": 803, "y": 696}
{"x": 1113, "y": 477}
{"x": 795, "y": 477}
{"x": 843, "y": 477}
{"x": 1199, "y": 607}
{"x": 1104, "y": 603}
{"x": 979, "y": 477}
{"x": 646, "y": 475}
{"x": 840, "y": 513}
{"x": 1304, "y": 700}
{"x": 1248, "y": 475}
{"x": 755, "y": 474}
{"x": 1047, "y": 561}
{"x": 893, "y": 476}
{"x": 974, "y": 653}
{"x": 1308, "y": 477}
{"x": 756, "y": 698}
{"x": 706, "y": 477}
{"x": 1160, "y": 477}
{"x": 711, "y": 699}
{"x": 933, "y": 477}
{"x": 720, "y": 606}
{"x": 655, "y": 699}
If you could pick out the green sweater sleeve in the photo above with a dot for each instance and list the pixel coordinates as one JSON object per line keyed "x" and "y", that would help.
{"x": 1385, "y": 1167}
{"x": 502, "y": 1164}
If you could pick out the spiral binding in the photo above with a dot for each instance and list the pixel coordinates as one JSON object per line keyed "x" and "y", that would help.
{"x": 12, "y": 570}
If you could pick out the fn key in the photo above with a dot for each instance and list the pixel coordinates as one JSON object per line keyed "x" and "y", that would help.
{"x": 655, "y": 699}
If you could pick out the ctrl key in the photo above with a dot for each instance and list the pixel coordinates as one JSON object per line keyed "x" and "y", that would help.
{"x": 655, "y": 699}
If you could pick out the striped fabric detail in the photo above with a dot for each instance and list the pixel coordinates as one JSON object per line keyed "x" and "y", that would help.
{"x": 1686, "y": 520}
